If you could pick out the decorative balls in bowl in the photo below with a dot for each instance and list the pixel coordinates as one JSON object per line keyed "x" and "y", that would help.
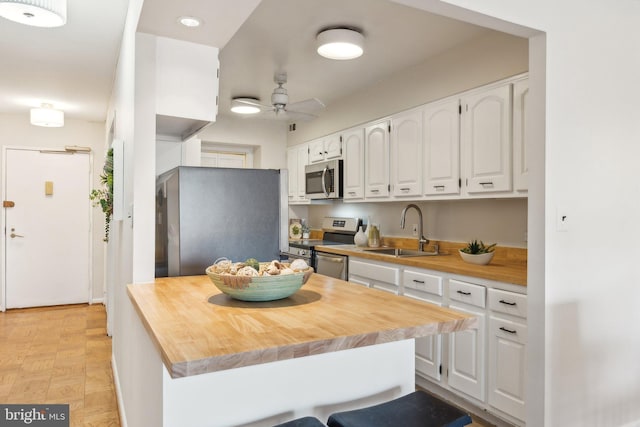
{"x": 258, "y": 281}
{"x": 477, "y": 253}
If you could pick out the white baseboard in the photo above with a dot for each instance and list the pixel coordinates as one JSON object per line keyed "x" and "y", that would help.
{"x": 116, "y": 382}
{"x": 97, "y": 301}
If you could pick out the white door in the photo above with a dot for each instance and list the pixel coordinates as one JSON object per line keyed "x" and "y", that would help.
{"x": 47, "y": 230}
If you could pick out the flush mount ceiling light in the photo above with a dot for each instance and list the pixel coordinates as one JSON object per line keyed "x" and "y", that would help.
{"x": 189, "y": 21}
{"x": 245, "y": 105}
{"x": 39, "y": 13}
{"x": 47, "y": 116}
{"x": 340, "y": 43}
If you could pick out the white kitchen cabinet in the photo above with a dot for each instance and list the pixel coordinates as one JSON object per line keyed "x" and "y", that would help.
{"x": 326, "y": 148}
{"x": 375, "y": 275}
{"x": 441, "y": 145}
{"x": 486, "y": 140}
{"x": 406, "y": 154}
{"x": 297, "y": 159}
{"x": 507, "y": 352}
{"x": 353, "y": 142}
{"x": 467, "y": 348}
{"x": 427, "y": 287}
{"x": 376, "y": 167}
{"x": 520, "y": 160}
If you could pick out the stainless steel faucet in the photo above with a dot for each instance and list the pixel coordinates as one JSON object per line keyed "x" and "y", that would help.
{"x": 421, "y": 240}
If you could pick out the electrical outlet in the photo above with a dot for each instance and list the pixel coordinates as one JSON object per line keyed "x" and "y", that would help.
{"x": 414, "y": 229}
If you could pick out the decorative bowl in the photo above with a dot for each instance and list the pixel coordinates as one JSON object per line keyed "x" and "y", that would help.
{"x": 261, "y": 288}
{"x": 480, "y": 259}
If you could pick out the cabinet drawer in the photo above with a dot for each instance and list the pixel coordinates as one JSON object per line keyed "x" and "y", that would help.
{"x": 506, "y": 329}
{"x": 508, "y": 302}
{"x": 422, "y": 282}
{"x": 379, "y": 273}
{"x": 467, "y": 293}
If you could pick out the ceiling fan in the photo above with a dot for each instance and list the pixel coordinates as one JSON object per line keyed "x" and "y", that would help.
{"x": 280, "y": 107}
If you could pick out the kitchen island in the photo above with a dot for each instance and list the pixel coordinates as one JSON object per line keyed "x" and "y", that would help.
{"x": 330, "y": 346}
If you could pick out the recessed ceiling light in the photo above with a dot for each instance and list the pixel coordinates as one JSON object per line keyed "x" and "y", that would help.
{"x": 245, "y": 105}
{"x": 47, "y": 116}
{"x": 340, "y": 43}
{"x": 189, "y": 21}
{"x": 38, "y": 13}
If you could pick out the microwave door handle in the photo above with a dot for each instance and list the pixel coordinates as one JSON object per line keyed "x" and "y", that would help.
{"x": 324, "y": 187}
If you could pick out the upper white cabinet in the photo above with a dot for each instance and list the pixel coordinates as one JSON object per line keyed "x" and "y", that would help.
{"x": 353, "y": 142}
{"x": 376, "y": 167}
{"x": 441, "y": 136}
{"x": 406, "y": 153}
{"x": 327, "y": 148}
{"x": 297, "y": 159}
{"x": 520, "y": 162}
{"x": 486, "y": 140}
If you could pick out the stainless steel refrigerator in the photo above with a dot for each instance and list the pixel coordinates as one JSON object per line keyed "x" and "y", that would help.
{"x": 204, "y": 213}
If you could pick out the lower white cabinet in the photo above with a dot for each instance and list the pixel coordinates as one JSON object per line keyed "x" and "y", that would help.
{"x": 467, "y": 349}
{"x": 426, "y": 287}
{"x": 507, "y": 352}
{"x": 485, "y": 366}
{"x": 375, "y": 275}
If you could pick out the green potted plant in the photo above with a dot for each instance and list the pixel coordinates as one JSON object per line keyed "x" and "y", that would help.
{"x": 103, "y": 197}
{"x": 477, "y": 252}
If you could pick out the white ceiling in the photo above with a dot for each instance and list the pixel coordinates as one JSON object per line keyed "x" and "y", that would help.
{"x": 73, "y": 66}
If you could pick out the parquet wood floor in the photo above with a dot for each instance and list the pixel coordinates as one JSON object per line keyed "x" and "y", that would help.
{"x": 59, "y": 355}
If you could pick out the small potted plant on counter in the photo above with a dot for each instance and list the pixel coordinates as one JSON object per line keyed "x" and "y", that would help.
{"x": 477, "y": 252}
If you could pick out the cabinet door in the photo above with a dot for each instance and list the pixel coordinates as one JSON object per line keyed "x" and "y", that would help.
{"x": 467, "y": 356}
{"x": 507, "y": 364}
{"x": 333, "y": 147}
{"x": 303, "y": 160}
{"x": 406, "y": 154}
{"x": 441, "y": 134}
{"x": 486, "y": 140}
{"x": 292, "y": 166}
{"x": 377, "y": 160}
{"x": 316, "y": 150}
{"x": 353, "y": 163}
{"x": 520, "y": 162}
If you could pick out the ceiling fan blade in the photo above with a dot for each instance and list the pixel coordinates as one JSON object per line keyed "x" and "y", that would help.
{"x": 310, "y": 105}
{"x": 299, "y": 115}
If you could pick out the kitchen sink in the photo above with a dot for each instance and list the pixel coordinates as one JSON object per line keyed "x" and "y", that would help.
{"x": 401, "y": 253}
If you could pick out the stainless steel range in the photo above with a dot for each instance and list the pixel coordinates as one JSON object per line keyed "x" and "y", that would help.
{"x": 337, "y": 231}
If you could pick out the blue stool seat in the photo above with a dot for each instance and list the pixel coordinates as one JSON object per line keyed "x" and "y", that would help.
{"x": 417, "y": 409}
{"x": 303, "y": 422}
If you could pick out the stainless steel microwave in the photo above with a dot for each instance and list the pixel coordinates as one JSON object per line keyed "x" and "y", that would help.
{"x": 324, "y": 180}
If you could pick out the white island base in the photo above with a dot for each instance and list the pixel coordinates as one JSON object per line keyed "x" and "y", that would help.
{"x": 271, "y": 393}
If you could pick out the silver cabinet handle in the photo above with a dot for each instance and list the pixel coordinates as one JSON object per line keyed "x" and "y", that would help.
{"x": 14, "y": 235}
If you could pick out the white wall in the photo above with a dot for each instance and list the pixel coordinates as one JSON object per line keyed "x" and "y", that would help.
{"x": 589, "y": 291}
{"x": 15, "y": 130}
{"x": 501, "y": 221}
{"x": 481, "y": 61}
{"x": 268, "y": 137}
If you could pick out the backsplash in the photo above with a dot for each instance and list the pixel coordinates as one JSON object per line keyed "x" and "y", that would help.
{"x": 502, "y": 221}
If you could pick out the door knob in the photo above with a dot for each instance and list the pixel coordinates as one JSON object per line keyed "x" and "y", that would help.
{"x": 14, "y": 235}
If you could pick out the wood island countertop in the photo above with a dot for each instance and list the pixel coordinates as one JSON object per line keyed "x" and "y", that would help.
{"x": 197, "y": 329}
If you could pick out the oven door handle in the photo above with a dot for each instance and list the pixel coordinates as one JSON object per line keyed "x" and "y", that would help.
{"x": 324, "y": 187}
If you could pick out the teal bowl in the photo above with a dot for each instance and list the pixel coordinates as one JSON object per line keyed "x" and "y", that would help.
{"x": 262, "y": 288}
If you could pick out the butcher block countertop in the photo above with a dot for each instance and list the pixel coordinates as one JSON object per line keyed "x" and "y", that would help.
{"x": 197, "y": 329}
{"x": 509, "y": 265}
